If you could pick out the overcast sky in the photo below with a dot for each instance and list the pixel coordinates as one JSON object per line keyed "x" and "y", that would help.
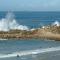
{"x": 30, "y": 5}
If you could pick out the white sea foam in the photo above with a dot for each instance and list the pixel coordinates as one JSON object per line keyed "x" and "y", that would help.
{"x": 32, "y": 29}
{"x": 43, "y": 27}
{"x": 9, "y": 22}
{"x": 30, "y": 52}
{"x": 56, "y": 23}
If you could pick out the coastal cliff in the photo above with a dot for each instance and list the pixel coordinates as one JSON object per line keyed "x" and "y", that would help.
{"x": 48, "y": 32}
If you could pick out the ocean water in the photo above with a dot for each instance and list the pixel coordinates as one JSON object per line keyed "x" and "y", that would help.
{"x": 29, "y": 49}
{"x": 32, "y": 49}
{"x": 34, "y": 19}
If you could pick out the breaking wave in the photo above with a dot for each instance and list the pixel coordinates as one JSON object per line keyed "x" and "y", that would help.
{"x": 56, "y": 23}
{"x": 9, "y": 23}
{"x": 30, "y": 52}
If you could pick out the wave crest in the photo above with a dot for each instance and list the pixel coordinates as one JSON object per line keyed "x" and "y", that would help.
{"x": 56, "y": 23}
{"x": 9, "y": 22}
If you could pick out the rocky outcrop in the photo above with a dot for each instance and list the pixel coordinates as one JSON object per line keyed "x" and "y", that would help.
{"x": 49, "y": 32}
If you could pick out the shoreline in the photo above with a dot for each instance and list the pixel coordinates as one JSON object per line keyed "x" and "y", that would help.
{"x": 28, "y": 38}
{"x": 1, "y": 39}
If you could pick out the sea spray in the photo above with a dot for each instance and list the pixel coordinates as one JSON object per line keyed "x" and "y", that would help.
{"x": 56, "y": 23}
{"x": 9, "y": 23}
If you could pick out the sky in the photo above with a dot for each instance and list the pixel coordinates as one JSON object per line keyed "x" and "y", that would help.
{"x": 30, "y": 5}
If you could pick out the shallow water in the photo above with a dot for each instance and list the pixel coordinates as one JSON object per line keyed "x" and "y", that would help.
{"x": 25, "y": 46}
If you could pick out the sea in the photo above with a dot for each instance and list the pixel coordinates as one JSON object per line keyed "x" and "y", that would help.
{"x": 28, "y": 49}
